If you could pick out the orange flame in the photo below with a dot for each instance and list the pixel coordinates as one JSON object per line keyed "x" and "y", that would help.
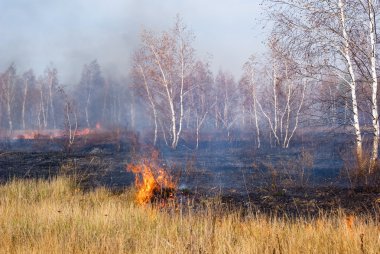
{"x": 52, "y": 133}
{"x": 150, "y": 179}
{"x": 84, "y": 132}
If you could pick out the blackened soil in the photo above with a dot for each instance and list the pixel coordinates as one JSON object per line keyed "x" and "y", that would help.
{"x": 309, "y": 202}
{"x": 266, "y": 180}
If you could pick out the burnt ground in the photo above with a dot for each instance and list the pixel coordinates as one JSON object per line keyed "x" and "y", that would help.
{"x": 306, "y": 179}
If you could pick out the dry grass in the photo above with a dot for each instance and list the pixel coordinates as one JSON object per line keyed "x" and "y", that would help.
{"x": 55, "y": 217}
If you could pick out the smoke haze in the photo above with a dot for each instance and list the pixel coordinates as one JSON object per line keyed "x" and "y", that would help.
{"x": 70, "y": 33}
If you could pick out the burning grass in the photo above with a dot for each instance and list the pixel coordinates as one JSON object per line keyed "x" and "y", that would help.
{"x": 56, "y": 217}
{"x": 151, "y": 180}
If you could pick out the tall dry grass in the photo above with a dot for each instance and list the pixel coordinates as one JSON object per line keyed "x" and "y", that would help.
{"x": 55, "y": 217}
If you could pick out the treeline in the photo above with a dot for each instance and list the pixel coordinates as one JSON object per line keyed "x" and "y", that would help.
{"x": 335, "y": 44}
{"x": 273, "y": 97}
{"x": 317, "y": 72}
{"x": 31, "y": 102}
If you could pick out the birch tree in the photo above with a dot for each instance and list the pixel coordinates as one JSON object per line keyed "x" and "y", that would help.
{"x": 285, "y": 95}
{"x": 201, "y": 92}
{"x": 169, "y": 62}
{"x": 8, "y": 88}
{"x": 341, "y": 36}
{"x": 91, "y": 93}
{"x": 371, "y": 7}
{"x": 27, "y": 78}
{"x": 227, "y": 102}
{"x": 248, "y": 86}
{"x": 51, "y": 81}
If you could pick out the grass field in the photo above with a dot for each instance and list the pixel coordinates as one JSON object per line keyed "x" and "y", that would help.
{"x": 40, "y": 216}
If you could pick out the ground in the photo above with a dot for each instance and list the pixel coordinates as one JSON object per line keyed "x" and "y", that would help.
{"x": 309, "y": 177}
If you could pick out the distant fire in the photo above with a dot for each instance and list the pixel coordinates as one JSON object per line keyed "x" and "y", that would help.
{"x": 36, "y": 134}
{"x": 151, "y": 180}
{"x": 83, "y": 132}
{"x": 51, "y": 133}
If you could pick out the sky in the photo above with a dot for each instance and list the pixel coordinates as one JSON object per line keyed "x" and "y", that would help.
{"x": 69, "y": 33}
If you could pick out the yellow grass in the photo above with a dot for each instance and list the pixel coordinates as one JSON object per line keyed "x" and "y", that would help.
{"x": 54, "y": 217}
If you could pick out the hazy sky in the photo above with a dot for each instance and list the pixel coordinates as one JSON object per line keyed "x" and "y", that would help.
{"x": 69, "y": 33}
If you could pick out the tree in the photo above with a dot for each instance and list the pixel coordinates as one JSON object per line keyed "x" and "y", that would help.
{"x": 28, "y": 78}
{"x": 165, "y": 64}
{"x": 51, "y": 81}
{"x": 91, "y": 92}
{"x": 200, "y": 103}
{"x": 286, "y": 93}
{"x": 70, "y": 119}
{"x": 8, "y": 89}
{"x": 227, "y": 101}
{"x": 340, "y": 36}
{"x": 248, "y": 88}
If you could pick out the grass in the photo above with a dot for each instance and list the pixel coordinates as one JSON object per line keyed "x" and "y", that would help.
{"x": 40, "y": 216}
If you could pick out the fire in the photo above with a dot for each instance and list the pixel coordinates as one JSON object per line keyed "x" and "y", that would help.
{"x": 26, "y": 135}
{"x": 151, "y": 180}
{"x": 83, "y": 132}
{"x": 36, "y": 134}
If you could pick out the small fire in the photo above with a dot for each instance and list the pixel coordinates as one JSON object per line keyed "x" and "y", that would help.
{"x": 53, "y": 133}
{"x": 151, "y": 180}
{"x": 27, "y": 136}
{"x": 36, "y": 134}
{"x": 83, "y": 132}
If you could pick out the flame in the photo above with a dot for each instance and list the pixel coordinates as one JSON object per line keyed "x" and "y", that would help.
{"x": 83, "y": 132}
{"x": 52, "y": 133}
{"x": 150, "y": 179}
{"x": 26, "y": 135}
{"x": 36, "y": 134}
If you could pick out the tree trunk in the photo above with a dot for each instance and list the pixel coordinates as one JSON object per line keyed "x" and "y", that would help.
{"x": 346, "y": 51}
{"x": 51, "y": 101}
{"x": 86, "y": 109}
{"x": 181, "y": 95}
{"x": 9, "y": 114}
{"x": 375, "y": 113}
{"x": 152, "y": 104}
{"x": 24, "y": 102}
{"x": 256, "y": 123}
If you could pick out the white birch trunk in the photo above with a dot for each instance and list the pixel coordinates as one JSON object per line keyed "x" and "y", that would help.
{"x": 9, "y": 113}
{"x": 86, "y": 108}
{"x": 51, "y": 100}
{"x": 181, "y": 95}
{"x": 152, "y": 104}
{"x": 375, "y": 113}
{"x": 297, "y": 116}
{"x": 169, "y": 99}
{"x": 26, "y": 84}
{"x": 352, "y": 85}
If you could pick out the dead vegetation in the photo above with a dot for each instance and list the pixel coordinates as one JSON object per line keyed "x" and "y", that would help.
{"x": 40, "y": 216}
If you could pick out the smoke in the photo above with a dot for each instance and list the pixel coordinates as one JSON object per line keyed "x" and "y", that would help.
{"x": 71, "y": 33}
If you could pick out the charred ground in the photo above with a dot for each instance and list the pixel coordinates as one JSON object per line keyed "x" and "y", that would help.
{"x": 306, "y": 179}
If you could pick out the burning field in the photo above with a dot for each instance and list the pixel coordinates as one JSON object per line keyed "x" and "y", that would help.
{"x": 133, "y": 139}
